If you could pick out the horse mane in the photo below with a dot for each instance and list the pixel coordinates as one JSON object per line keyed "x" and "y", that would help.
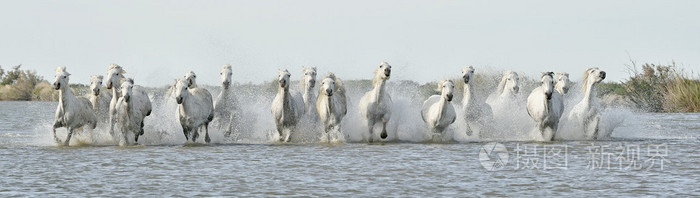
{"x": 115, "y": 66}
{"x": 560, "y": 74}
{"x": 585, "y": 78}
{"x": 551, "y": 74}
{"x": 226, "y": 66}
{"x": 502, "y": 84}
{"x": 96, "y": 77}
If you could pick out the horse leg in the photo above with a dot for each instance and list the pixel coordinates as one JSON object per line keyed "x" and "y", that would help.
{"x": 195, "y": 133}
{"x": 370, "y": 126}
{"x": 595, "y": 127}
{"x": 186, "y": 131}
{"x": 287, "y": 135}
{"x": 55, "y": 138}
{"x": 70, "y": 134}
{"x": 280, "y": 131}
{"x": 206, "y": 133}
{"x": 383, "y": 135}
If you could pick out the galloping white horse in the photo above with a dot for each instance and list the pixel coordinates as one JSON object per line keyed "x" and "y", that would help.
{"x": 99, "y": 99}
{"x": 308, "y": 82}
{"x": 286, "y": 109}
{"x": 331, "y": 103}
{"x": 130, "y": 113}
{"x": 476, "y": 112}
{"x": 225, "y": 106}
{"x": 505, "y": 96}
{"x": 72, "y": 112}
{"x": 586, "y": 112}
{"x": 196, "y": 110}
{"x": 375, "y": 105}
{"x": 437, "y": 111}
{"x": 563, "y": 83}
{"x": 546, "y": 106}
{"x": 115, "y": 77}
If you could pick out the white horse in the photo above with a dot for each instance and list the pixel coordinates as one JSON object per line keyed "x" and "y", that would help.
{"x": 130, "y": 113}
{"x": 331, "y": 103}
{"x": 563, "y": 83}
{"x": 72, "y": 112}
{"x": 586, "y": 112}
{"x": 308, "y": 82}
{"x": 99, "y": 98}
{"x": 437, "y": 111}
{"x": 115, "y": 77}
{"x": 506, "y": 93}
{"x": 286, "y": 108}
{"x": 375, "y": 105}
{"x": 545, "y": 106}
{"x": 225, "y": 106}
{"x": 196, "y": 110}
{"x": 476, "y": 112}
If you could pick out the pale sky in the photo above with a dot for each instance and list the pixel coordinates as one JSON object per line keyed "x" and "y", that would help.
{"x": 157, "y": 41}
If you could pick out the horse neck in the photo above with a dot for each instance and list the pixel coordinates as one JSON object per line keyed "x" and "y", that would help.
{"x": 66, "y": 96}
{"x": 468, "y": 94}
{"x": 441, "y": 106}
{"x": 115, "y": 94}
{"x": 95, "y": 100}
{"x": 379, "y": 89}
{"x": 589, "y": 95}
{"x": 308, "y": 92}
{"x": 286, "y": 102}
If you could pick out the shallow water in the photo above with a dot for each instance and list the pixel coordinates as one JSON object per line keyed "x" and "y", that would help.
{"x": 627, "y": 165}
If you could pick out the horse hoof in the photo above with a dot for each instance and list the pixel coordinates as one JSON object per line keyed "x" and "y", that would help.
{"x": 383, "y": 135}
{"x": 207, "y": 140}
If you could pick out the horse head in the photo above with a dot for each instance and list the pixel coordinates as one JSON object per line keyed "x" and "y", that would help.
{"x": 114, "y": 75}
{"x": 181, "y": 90}
{"x": 467, "y": 74}
{"x": 383, "y": 72}
{"x": 191, "y": 79}
{"x": 126, "y": 89}
{"x": 283, "y": 78}
{"x": 61, "y": 78}
{"x": 591, "y": 76}
{"x": 328, "y": 85}
{"x": 509, "y": 83}
{"x": 446, "y": 88}
{"x": 563, "y": 83}
{"x": 548, "y": 84}
{"x": 226, "y": 73}
{"x": 309, "y": 79}
{"x": 96, "y": 84}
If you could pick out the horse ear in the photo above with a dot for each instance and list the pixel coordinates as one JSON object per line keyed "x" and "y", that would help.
{"x": 440, "y": 85}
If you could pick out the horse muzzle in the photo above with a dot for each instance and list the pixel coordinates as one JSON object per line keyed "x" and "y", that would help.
{"x": 602, "y": 74}
{"x": 329, "y": 92}
{"x": 109, "y": 84}
{"x": 387, "y": 72}
{"x": 516, "y": 89}
{"x": 466, "y": 79}
{"x": 178, "y": 100}
{"x": 449, "y": 97}
{"x": 283, "y": 83}
{"x": 57, "y": 85}
{"x": 549, "y": 95}
{"x": 312, "y": 83}
{"x": 128, "y": 97}
{"x": 226, "y": 84}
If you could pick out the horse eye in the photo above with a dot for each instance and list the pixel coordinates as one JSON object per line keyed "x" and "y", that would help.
{"x": 64, "y": 77}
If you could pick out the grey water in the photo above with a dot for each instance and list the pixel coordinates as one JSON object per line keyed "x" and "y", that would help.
{"x": 648, "y": 155}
